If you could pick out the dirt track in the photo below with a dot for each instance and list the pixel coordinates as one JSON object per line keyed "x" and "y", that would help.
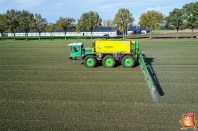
{"x": 174, "y": 33}
{"x": 170, "y": 34}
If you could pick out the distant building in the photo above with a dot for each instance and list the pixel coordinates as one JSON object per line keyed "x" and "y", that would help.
{"x": 111, "y": 31}
{"x": 4, "y": 34}
{"x": 137, "y": 30}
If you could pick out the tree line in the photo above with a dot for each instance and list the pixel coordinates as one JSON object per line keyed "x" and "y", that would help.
{"x": 186, "y": 17}
{"x": 13, "y": 20}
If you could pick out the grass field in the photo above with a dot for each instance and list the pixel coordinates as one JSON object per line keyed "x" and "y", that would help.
{"x": 159, "y": 31}
{"x": 41, "y": 89}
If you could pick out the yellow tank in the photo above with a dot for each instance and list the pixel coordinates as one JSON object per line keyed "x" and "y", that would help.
{"x": 113, "y": 46}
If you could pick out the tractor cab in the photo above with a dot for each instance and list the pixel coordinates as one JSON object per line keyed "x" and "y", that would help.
{"x": 76, "y": 50}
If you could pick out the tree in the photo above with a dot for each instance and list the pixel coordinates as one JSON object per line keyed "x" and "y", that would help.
{"x": 151, "y": 20}
{"x": 26, "y": 21}
{"x": 90, "y": 20}
{"x": 12, "y": 17}
{"x": 50, "y": 28}
{"x": 3, "y": 26}
{"x": 65, "y": 23}
{"x": 123, "y": 19}
{"x": 190, "y": 12}
{"x": 39, "y": 24}
{"x": 78, "y": 28}
{"x": 108, "y": 23}
{"x": 166, "y": 22}
{"x": 104, "y": 23}
{"x": 175, "y": 18}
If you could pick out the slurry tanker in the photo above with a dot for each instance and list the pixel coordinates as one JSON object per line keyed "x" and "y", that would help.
{"x": 107, "y": 51}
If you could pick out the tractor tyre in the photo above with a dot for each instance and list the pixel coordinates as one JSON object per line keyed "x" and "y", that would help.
{"x": 90, "y": 61}
{"x": 108, "y": 61}
{"x": 128, "y": 61}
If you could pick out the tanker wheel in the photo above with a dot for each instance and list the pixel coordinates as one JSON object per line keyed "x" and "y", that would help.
{"x": 90, "y": 61}
{"x": 128, "y": 61}
{"x": 108, "y": 61}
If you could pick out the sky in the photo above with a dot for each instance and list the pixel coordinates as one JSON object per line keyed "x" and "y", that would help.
{"x": 52, "y": 10}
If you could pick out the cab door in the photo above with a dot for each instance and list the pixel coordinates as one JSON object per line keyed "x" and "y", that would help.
{"x": 76, "y": 51}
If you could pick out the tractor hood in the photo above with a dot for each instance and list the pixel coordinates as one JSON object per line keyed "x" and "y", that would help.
{"x": 88, "y": 50}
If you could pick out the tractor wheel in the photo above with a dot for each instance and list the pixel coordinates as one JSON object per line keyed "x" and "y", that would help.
{"x": 90, "y": 61}
{"x": 128, "y": 61}
{"x": 108, "y": 61}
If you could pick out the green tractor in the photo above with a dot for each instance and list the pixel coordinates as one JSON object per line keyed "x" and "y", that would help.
{"x": 107, "y": 51}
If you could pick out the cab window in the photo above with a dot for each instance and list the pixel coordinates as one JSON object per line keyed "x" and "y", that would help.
{"x": 75, "y": 49}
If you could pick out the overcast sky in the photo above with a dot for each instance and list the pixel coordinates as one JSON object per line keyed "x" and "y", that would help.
{"x": 53, "y": 9}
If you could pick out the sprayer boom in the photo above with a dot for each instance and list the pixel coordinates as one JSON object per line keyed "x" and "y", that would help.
{"x": 144, "y": 67}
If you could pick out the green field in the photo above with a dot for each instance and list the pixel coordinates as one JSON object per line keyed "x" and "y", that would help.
{"x": 159, "y": 31}
{"x": 41, "y": 89}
